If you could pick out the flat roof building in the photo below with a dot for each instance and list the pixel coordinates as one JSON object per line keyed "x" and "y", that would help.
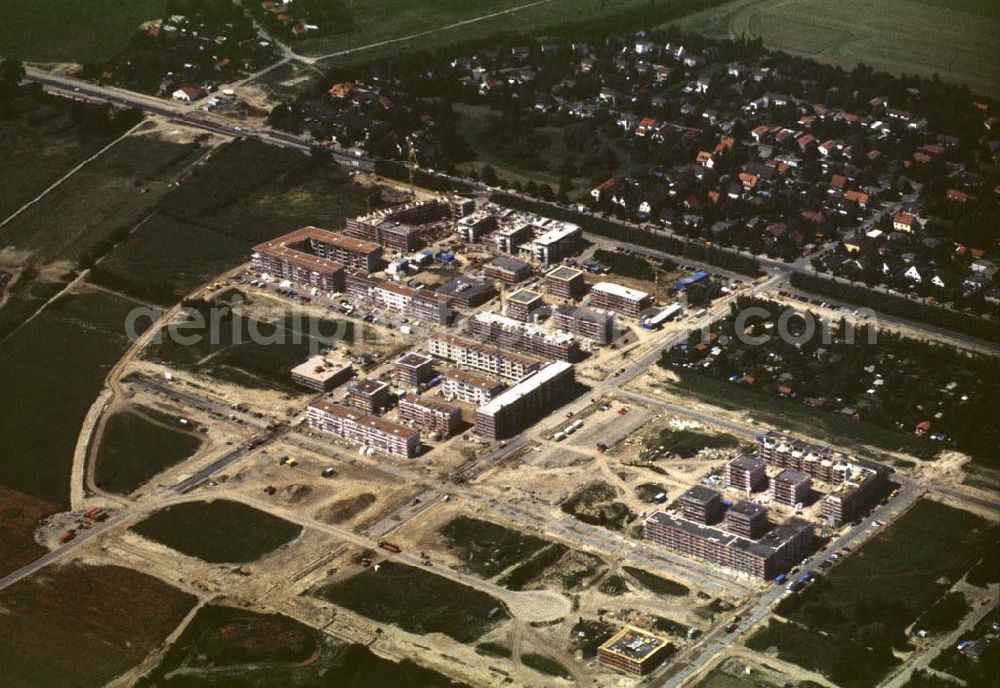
{"x": 522, "y": 303}
{"x": 776, "y": 552}
{"x": 701, "y": 504}
{"x": 746, "y": 519}
{"x": 621, "y": 300}
{"x": 476, "y": 225}
{"x": 421, "y": 304}
{"x": 321, "y": 374}
{"x": 745, "y": 473}
{"x": 790, "y": 487}
{"x": 468, "y": 292}
{"x": 526, "y": 402}
{"x": 413, "y": 368}
{"x": 633, "y": 651}
{"x": 360, "y": 428}
{"x": 507, "y": 270}
{"x": 371, "y": 396}
{"x": 597, "y": 326}
{"x": 556, "y": 241}
{"x": 565, "y": 282}
{"x": 399, "y": 228}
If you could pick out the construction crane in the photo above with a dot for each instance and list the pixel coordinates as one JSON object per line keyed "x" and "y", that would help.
{"x": 411, "y": 157}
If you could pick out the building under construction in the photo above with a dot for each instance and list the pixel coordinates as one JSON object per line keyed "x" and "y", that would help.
{"x": 399, "y": 228}
{"x": 430, "y": 414}
{"x": 633, "y": 651}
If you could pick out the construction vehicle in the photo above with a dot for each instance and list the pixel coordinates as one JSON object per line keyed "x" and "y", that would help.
{"x": 389, "y": 547}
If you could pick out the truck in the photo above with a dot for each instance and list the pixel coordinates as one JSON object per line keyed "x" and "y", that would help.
{"x": 389, "y": 546}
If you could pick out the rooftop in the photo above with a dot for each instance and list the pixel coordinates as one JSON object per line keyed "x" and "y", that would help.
{"x": 367, "y": 386}
{"x": 618, "y": 290}
{"x": 508, "y": 263}
{"x": 525, "y": 386}
{"x": 380, "y": 424}
{"x": 563, "y": 273}
{"x": 525, "y": 296}
{"x": 634, "y": 643}
{"x": 748, "y": 509}
{"x": 319, "y": 368}
{"x": 702, "y": 494}
{"x": 746, "y": 462}
{"x": 792, "y": 477}
{"x": 413, "y": 360}
{"x": 465, "y": 286}
{"x": 473, "y": 379}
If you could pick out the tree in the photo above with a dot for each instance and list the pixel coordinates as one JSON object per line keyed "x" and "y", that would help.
{"x": 489, "y": 176}
{"x": 11, "y": 74}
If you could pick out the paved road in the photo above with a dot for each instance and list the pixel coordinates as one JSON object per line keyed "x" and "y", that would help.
{"x": 191, "y": 115}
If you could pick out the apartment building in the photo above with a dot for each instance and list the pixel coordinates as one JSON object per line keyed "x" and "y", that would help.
{"x": 556, "y": 240}
{"x": 747, "y": 519}
{"x": 854, "y": 496}
{"x": 745, "y": 473}
{"x": 371, "y": 396}
{"x": 510, "y": 238}
{"x": 526, "y": 402}
{"x": 411, "y": 369}
{"x": 430, "y": 414}
{"x": 468, "y": 292}
{"x": 565, "y": 282}
{"x": 507, "y": 270}
{"x": 360, "y": 428}
{"x": 399, "y": 228}
{"x": 475, "y": 226}
{"x": 790, "y": 487}
{"x": 622, "y": 300}
{"x": 522, "y": 304}
{"x": 321, "y": 374}
{"x": 461, "y": 385}
{"x": 596, "y": 326}
{"x": 701, "y": 504}
{"x": 421, "y": 304}
{"x": 776, "y": 552}
{"x": 311, "y": 249}
{"x": 485, "y": 358}
{"x": 528, "y": 337}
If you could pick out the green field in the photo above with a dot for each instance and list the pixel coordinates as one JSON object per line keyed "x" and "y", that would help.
{"x": 230, "y": 353}
{"x": 70, "y": 30}
{"x": 76, "y": 625}
{"x": 134, "y": 448}
{"x": 226, "y": 647}
{"x": 41, "y": 141}
{"x": 956, "y": 40}
{"x": 862, "y": 438}
{"x": 488, "y": 548}
{"x": 97, "y": 204}
{"x": 51, "y": 370}
{"x": 417, "y": 601}
{"x": 657, "y": 585}
{"x": 220, "y": 531}
{"x": 860, "y": 610}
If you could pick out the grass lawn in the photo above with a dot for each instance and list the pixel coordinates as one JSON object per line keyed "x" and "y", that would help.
{"x": 77, "y": 625}
{"x": 417, "y": 601}
{"x": 134, "y": 448}
{"x": 220, "y": 531}
{"x": 70, "y": 30}
{"x": 954, "y": 39}
{"x": 51, "y": 371}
